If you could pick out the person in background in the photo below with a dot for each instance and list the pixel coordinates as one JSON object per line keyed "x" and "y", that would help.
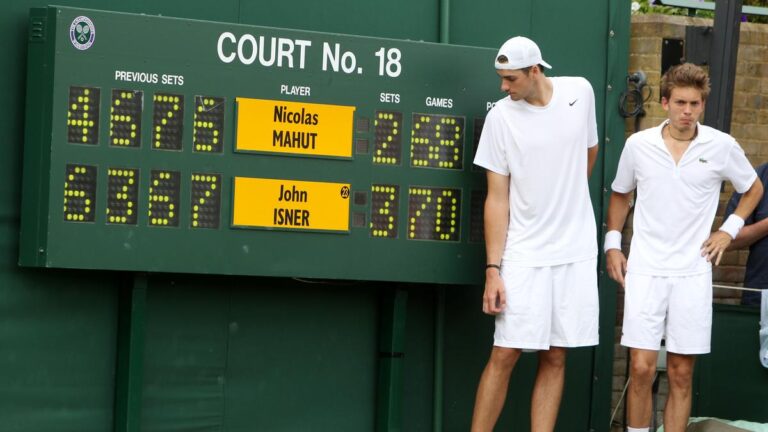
{"x": 755, "y": 236}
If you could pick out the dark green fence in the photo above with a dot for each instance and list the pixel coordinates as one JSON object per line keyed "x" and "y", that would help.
{"x": 94, "y": 350}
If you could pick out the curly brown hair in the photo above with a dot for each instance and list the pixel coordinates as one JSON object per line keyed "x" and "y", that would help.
{"x": 685, "y": 75}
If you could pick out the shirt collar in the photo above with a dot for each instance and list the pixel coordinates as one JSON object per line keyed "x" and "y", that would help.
{"x": 705, "y": 134}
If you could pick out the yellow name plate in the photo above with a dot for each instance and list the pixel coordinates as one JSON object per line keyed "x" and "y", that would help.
{"x": 293, "y": 127}
{"x": 291, "y": 204}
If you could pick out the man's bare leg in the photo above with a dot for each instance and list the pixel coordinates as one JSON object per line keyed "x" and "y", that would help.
{"x": 642, "y": 371}
{"x": 548, "y": 389}
{"x": 492, "y": 391}
{"x": 678, "y": 409}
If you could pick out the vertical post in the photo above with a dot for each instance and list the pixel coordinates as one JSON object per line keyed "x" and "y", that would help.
{"x": 130, "y": 355}
{"x": 389, "y": 406}
{"x": 437, "y": 410}
{"x": 722, "y": 70}
{"x": 445, "y": 21}
{"x": 437, "y": 391}
{"x": 617, "y": 57}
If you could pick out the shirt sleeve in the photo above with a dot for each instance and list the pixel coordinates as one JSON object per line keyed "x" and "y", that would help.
{"x": 738, "y": 170}
{"x": 490, "y": 151}
{"x": 592, "y": 138}
{"x": 624, "y": 181}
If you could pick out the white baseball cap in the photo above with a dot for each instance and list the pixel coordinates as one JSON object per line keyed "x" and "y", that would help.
{"x": 518, "y": 53}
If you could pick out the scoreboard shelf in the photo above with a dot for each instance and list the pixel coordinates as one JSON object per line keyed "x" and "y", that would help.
{"x": 229, "y": 149}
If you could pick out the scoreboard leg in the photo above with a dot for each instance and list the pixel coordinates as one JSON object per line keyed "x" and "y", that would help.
{"x": 389, "y": 404}
{"x": 130, "y": 355}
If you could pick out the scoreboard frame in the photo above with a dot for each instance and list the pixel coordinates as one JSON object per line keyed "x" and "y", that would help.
{"x": 118, "y": 178}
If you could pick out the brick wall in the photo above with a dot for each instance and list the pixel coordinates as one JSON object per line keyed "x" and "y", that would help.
{"x": 749, "y": 125}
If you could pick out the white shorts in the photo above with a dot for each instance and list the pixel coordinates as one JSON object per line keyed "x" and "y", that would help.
{"x": 549, "y": 306}
{"x": 679, "y": 306}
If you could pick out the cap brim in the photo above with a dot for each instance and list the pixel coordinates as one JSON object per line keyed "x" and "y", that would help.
{"x": 507, "y": 66}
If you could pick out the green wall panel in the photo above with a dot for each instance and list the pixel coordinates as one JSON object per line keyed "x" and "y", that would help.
{"x": 730, "y": 382}
{"x": 185, "y": 355}
{"x": 490, "y": 23}
{"x": 400, "y": 19}
{"x": 418, "y": 362}
{"x": 301, "y": 358}
{"x": 57, "y": 338}
{"x": 225, "y": 353}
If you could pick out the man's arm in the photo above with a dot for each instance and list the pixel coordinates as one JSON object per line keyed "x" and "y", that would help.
{"x": 719, "y": 240}
{"x": 618, "y": 209}
{"x": 496, "y": 220}
{"x": 591, "y": 158}
{"x": 750, "y": 234}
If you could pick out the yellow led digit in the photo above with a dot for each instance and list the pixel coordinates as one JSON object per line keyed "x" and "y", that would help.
{"x": 79, "y": 193}
{"x": 437, "y": 141}
{"x": 125, "y": 118}
{"x": 122, "y": 195}
{"x": 384, "y": 210}
{"x": 167, "y": 121}
{"x": 388, "y": 137}
{"x": 208, "y": 124}
{"x": 83, "y": 115}
{"x": 164, "y": 193}
{"x": 206, "y": 200}
{"x": 433, "y": 213}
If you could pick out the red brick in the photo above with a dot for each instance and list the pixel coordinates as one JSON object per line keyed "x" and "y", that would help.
{"x": 757, "y": 132}
{"x": 730, "y": 258}
{"x": 746, "y": 67}
{"x": 762, "y": 116}
{"x": 749, "y": 85}
{"x": 728, "y": 274}
{"x": 753, "y": 52}
{"x": 645, "y": 62}
{"x": 646, "y": 29}
{"x": 743, "y": 116}
{"x": 751, "y": 148}
{"x": 645, "y": 45}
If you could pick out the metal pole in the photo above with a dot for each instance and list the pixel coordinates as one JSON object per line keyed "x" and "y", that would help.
{"x": 722, "y": 70}
{"x": 445, "y": 21}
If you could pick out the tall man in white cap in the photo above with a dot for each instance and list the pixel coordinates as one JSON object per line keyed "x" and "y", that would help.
{"x": 538, "y": 145}
{"x": 677, "y": 169}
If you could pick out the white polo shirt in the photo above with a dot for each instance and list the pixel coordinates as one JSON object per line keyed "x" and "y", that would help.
{"x": 676, "y": 204}
{"x": 544, "y": 151}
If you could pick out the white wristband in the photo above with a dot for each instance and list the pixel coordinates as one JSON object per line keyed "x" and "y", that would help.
{"x": 612, "y": 240}
{"x": 732, "y": 225}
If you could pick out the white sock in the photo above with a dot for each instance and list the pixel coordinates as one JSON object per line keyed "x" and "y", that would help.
{"x": 645, "y": 429}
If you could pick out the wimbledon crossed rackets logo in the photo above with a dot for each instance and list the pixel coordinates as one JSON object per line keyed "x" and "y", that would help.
{"x": 82, "y": 33}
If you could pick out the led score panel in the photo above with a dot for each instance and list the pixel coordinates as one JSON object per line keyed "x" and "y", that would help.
{"x": 225, "y": 149}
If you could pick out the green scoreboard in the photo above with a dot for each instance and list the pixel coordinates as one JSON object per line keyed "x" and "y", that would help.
{"x": 168, "y": 145}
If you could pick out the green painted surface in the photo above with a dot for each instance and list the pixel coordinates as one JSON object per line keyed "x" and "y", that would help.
{"x": 242, "y": 354}
{"x": 730, "y": 383}
{"x": 400, "y": 19}
{"x": 306, "y": 364}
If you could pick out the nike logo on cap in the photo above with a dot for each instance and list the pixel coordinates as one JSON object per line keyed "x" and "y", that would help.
{"x": 574, "y": 101}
